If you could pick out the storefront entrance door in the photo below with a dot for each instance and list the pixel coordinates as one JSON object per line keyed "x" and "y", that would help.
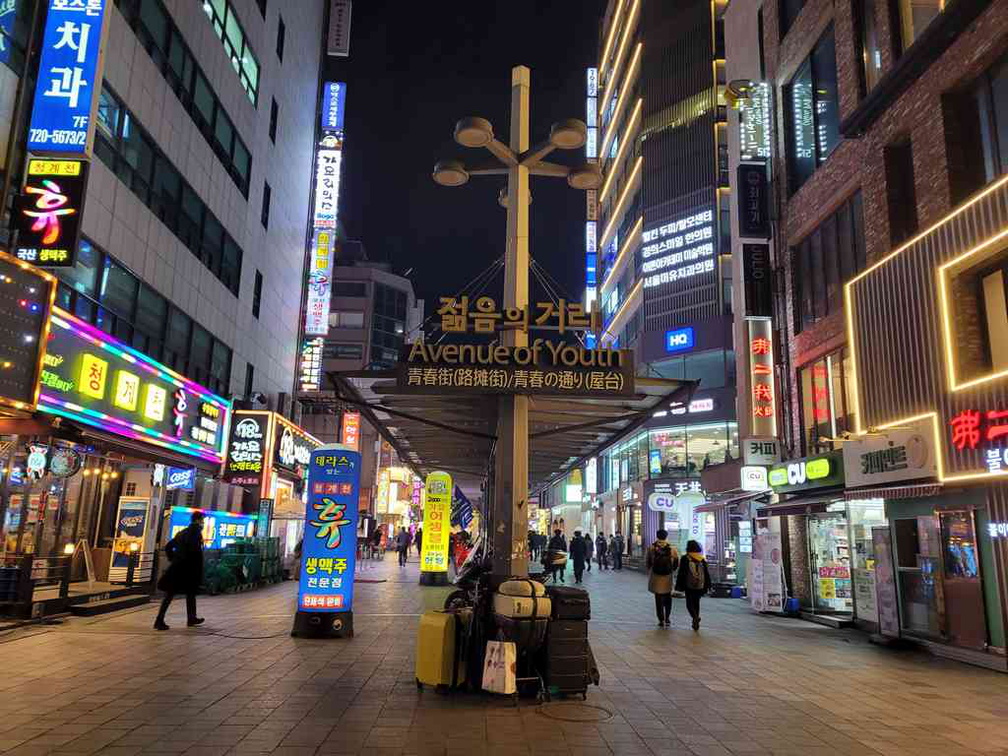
{"x": 964, "y": 601}
{"x": 829, "y": 560}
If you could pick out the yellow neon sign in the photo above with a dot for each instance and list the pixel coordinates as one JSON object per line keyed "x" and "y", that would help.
{"x": 127, "y": 390}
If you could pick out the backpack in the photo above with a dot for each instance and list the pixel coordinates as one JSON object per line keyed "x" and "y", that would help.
{"x": 662, "y": 562}
{"x": 695, "y": 576}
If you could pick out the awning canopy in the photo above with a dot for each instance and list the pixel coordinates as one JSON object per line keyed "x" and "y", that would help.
{"x": 457, "y": 432}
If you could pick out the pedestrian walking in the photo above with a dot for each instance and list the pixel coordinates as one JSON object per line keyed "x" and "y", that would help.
{"x": 661, "y": 561}
{"x": 185, "y": 573}
{"x": 693, "y": 579}
{"x": 556, "y": 555}
{"x": 618, "y": 562}
{"x": 402, "y": 546}
{"x": 602, "y": 551}
{"x": 589, "y": 550}
{"x": 419, "y": 540}
{"x": 578, "y": 551}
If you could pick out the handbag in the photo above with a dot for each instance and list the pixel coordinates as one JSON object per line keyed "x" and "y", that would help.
{"x": 499, "y": 668}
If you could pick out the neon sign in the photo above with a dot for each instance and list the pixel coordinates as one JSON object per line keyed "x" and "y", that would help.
{"x": 678, "y": 250}
{"x": 48, "y": 212}
{"x": 319, "y": 284}
{"x": 328, "y": 161}
{"x": 763, "y": 401}
{"x": 91, "y": 378}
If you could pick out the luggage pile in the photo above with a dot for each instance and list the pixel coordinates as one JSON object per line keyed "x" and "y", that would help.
{"x": 441, "y": 649}
{"x": 521, "y": 611}
{"x": 566, "y": 657}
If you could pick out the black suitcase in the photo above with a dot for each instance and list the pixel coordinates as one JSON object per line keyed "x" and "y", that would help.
{"x": 568, "y": 629}
{"x": 569, "y": 603}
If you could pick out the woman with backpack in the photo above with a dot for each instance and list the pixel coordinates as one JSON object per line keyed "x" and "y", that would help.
{"x": 694, "y": 580}
{"x": 661, "y": 561}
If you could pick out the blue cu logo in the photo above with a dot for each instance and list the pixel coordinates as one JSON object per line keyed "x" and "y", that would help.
{"x": 679, "y": 340}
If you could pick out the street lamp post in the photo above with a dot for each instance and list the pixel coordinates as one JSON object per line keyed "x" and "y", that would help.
{"x": 518, "y": 162}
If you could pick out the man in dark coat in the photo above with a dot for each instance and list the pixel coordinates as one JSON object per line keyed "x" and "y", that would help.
{"x": 185, "y": 573}
{"x": 602, "y": 551}
{"x": 418, "y": 539}
{"x": 578, "y": 553}
{"x": 556, "y": 555}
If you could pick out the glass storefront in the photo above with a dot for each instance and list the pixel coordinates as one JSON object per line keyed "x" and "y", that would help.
{"x": 865, "y": 514}
{"x": 830, "y": 563}
{"x": 687, "y": 449}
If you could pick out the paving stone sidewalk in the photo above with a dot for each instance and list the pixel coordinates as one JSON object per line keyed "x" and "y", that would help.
{"x": 746, "y": 684}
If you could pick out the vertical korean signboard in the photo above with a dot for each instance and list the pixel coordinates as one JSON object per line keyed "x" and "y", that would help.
{"x": 759, "y": 333}
{"x": 48, "y": 213}
{"x": 329, "y": 550}
{"x": 350, "y": 433}
{"x": 437, "y": 528}
{"x": 69, "y": 77}
{"x": 319, "y": 284}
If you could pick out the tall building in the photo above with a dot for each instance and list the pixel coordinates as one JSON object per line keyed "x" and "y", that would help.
{"x": 660, "y": 228}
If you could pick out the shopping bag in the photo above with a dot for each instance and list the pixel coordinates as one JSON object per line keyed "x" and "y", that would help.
{"x": 499, "y": 668}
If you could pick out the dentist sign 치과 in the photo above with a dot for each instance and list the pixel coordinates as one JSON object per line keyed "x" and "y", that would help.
{"x": 69, "y": 77}
{"x": 329, "y": 548}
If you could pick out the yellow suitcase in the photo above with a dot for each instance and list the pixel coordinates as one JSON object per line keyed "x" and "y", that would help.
{"x": 438, "y": 649}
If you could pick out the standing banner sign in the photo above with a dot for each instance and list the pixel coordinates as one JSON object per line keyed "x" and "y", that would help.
{"x": 437, "y": 528}
{"x": 329, "y": 549}
{"x": 131, "y": 527}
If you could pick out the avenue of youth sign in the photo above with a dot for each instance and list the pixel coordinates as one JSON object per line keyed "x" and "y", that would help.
{"x": 543, "y": 367}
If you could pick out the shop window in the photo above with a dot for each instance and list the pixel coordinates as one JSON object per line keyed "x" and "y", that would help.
{"x": 686, "y": 450}
{"x": 826, "y": 259}
{"x": 871, "y": 53}
{"x": 812, "y": 112}
{"x": 900, "y": 193}
{"x": 915, "y": 16}
{"x": 789, "y": 10}
{"x": 826, "y": 401}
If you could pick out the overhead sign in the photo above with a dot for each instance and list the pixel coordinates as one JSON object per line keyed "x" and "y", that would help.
{"x": 26, "y": 297}
{"x": 328, "y": 161}
{"x": 69, "y": 77}
{"x": 333, "y": 105}
{"x": 350, "y": 430}
{"x": 754, "y": 201}
{"x": 94, "y": 379}
{"x": 763, "y": 402}
{"x": 180, "y": 479}
{"x": 48, "y": 212}
{"x": 757, "y": 275}
{"x": 246, "y": 450}
{"x": 823, "y": 471}
{"x": 319, "y": 283}
{"x": 219, "y": 528}
{"x": 754, "y": 478}
{"x": 560, "y": 316}
{"x": 437, "y": 523}
{"x": 760, "y": 451}
{"x": 679, "y": 340}
{"x": 292, "y": 446}
{"x": 890, "y": 457}
{"x": 543, "y": 367}
{"x": 329, "y": 550}
{"x": 678, "y": 250}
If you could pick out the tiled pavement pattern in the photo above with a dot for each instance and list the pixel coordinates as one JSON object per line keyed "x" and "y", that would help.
{"x": 745, "y": 684}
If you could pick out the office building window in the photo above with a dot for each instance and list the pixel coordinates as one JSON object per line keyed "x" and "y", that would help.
{"x": 102, "y": 291}
{"x": 789, "y": 10}
{"x": 266, "y": 198}
{"x": 349, "y": 289}
{"x": 827, "y": 387}
{"x": 129, "y": 152}
{"x": 257, "y": 294}
{"x": 249, "y": 379}
{"x": 15, "y": 21}
{"x": 901, "y": 197}
{"x": 915, "y": 16}
{"x": 281, "y": 38}
{"x": 812, "y": 112}
{"x": 163, "y": 41}
{"x": 871, "y": 53}
{"x": 826, "y": 259}
{"x": 230, "y": 32}
{"x": 343, "y": 351}
{"x": 274, "y": 117}
{"x": 346, "y": 319}
{"x": 261, "y": 4}
{"x": 976, "y": 131}
{"x": 388, "y": 325}
{"x": 979, "y": 318}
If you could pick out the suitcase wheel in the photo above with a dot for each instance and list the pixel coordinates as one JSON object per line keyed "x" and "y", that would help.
{"x": 419, "y": 685}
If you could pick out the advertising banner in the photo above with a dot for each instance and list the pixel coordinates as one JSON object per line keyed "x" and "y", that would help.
{"x": 328, "y": 160}
{"x": 766, "y": 569}
{"x": 885, "y": 583}
{"x": 180, "y": 479}
{"x": 48, "y": 212}
{"x": 219, "y": 528}
{"x": 319, "y": 283}
{"x": 333, "y": 105}
{"x": 329, "y": 550}
{"x": 350, "y": 433}
{"x": 69, "y": 77}
{"x": 246, "y": 449}
{"x": 437, "y": 523}
{"x": 131, "y": 525}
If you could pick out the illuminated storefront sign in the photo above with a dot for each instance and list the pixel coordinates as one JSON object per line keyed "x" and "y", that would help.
{"x": 333, "y": 105}
{"x": 763, "y": 404}
{"x": 997, "y": 529}
{"x": 319, "y": 284}
{"x": 329, "y": 550}
{"x": 219, "y": 528}
{"x": 180, "y": 479}
{"x": 310, "y": 376}
{"x": 805, "y": 474}
{"x": 591, "y": 265}
{"x": 754, "y": 478}
{"x": 328, "y": 160}
{"x": 26, "y": 297}
{"x": 48, "y": 212}
{"x": 591, "y": 476}
{"x": 91, "y": 378}
{"x": 69, "y": 77}
{"x": 754, "y": 123}
{"x": 678, "y": 250}
{"x": 262, "y": 442}
{"x": 591, "y": 114}
{"x": 292, "y": 446}
{"x": 437, "y": 523}
{"x": 350, "y": 430}
{"x": 891, "y": 456}
{"x": 679, "y": 340}
{"x": 246, "y": 451}
{"x": 984, "y": 431}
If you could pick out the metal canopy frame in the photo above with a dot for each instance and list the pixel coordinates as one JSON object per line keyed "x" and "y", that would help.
{"x": 457, "y": 432}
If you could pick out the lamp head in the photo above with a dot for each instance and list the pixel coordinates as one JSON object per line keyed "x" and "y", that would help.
{"x": 569, "y": 134}
{"x": 473, "y": 132}
{"x": 584, "y": 177}
{"x": 450, "y": 173}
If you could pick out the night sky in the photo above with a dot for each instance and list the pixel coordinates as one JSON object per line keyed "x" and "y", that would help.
{"x": 410, "y": 76}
